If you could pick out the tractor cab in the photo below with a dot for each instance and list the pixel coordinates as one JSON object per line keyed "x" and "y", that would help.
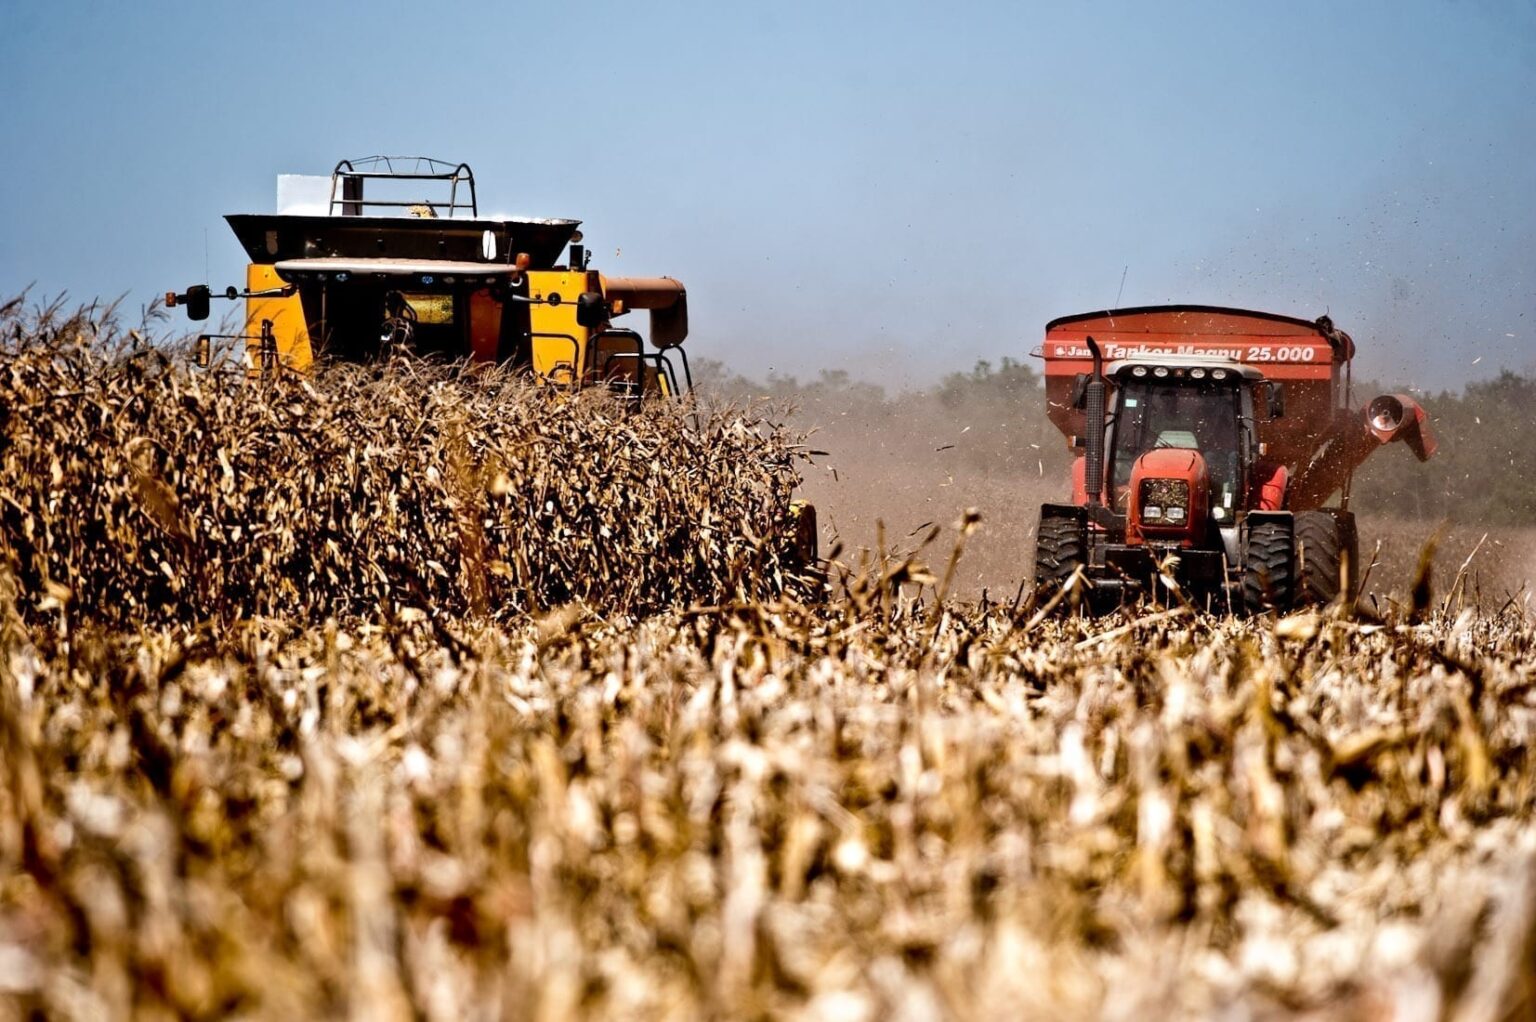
{"x": 1181, "y": 445}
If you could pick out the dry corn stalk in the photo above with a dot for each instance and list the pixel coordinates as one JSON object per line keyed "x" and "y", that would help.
{"x": 138, "y": 490}
{"x": 882, "y": 807}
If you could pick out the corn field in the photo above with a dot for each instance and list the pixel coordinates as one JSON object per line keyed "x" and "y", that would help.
{"x": 140, "y": 491}
{"x": 404, "y": 694}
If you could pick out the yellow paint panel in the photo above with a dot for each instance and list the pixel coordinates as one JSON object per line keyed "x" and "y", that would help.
{"x": 287, "y": 316}
{"x": 559, "y": 342}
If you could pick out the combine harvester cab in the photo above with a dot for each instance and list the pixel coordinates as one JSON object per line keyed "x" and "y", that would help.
{"x": 392, "y": 254}
{"x": 1213, "y": 446}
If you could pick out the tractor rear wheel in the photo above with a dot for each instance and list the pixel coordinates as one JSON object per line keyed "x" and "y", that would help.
{"x": 804, "y": 551}
{"x": 1061, "y": 548}
{"x": 1325, "y": 543}
{"x": 1269, "y": 567}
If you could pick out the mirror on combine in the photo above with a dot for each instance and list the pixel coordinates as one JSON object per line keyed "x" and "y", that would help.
{"x": 195, "y": 300}
{"x": 202, "y": 355}
{"x": 1276, "y": 399}
{"x": 590, "y": 310}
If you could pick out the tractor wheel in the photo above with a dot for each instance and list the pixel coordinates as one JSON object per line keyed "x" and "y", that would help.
{"x": 1061, "y": 548}
{"x": 1268, "y": 567}
{"x": 1325, "y": 542}
{"x": 803, "y": 533}
{"x": 805, "y": 552}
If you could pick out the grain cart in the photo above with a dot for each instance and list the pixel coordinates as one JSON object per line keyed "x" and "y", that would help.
{"x": 391, "y": 255}
{"x": 1212, "y": 446}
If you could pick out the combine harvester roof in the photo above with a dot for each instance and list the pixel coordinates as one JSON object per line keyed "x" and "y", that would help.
{"x": 429, "y": 214}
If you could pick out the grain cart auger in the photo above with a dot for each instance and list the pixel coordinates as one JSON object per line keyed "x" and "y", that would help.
{"x": 1210, "y": 446}
{"x": 391, "y": 255}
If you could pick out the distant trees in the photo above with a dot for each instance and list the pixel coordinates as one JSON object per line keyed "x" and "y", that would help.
{"x": 713, "y": 376}
{"x": 1011, "y": 381}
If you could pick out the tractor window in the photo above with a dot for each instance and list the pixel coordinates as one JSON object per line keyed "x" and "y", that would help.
{"x": 433, "y": 323}
{"x": 1168, "y": 413}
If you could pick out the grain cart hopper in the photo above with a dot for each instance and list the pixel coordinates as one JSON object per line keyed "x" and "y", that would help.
{"x": 391, "y": 255}
{"x": 1213, "y": 445}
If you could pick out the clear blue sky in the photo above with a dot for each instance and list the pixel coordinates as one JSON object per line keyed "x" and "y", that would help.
{"x": 897, "y": 189}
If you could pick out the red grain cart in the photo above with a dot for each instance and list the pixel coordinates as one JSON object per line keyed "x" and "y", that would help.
{"x": 1213, "y": 446}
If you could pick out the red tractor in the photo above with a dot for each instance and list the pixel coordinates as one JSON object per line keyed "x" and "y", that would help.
{"x": 1210, "y": 444}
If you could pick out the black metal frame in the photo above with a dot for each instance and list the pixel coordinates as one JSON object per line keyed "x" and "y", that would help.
{"x": 266, "y": 351}
{"x": 625, "y": 387}
{"x": 687, "y": 370}
{"x": 355, "y": 205}
{"x": 664, "y": 369}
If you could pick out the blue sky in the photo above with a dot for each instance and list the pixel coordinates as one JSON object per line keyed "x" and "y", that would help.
{"x": 896, "y": 189}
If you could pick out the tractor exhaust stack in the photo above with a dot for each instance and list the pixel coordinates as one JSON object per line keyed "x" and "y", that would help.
{"x": 1094, "y": 396}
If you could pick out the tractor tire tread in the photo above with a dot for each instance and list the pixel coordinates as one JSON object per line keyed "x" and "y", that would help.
{"x": 1323, "y": 543}
{"x": 1060, "y": 549}
{"x": 1269, "y": 568}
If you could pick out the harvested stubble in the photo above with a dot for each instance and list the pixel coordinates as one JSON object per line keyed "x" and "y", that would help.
{"x": 135, "y": 489}
{"x": 858, "y": 812}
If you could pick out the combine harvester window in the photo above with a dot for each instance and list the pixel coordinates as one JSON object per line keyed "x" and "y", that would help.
{"x": 432, "y": 310}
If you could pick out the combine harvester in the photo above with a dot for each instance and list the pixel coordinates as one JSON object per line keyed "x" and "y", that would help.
{"x": 339, "y": 273}
{"x": 1209, "y": 446}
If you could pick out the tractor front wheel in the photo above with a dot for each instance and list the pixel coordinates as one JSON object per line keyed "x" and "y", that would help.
{"x": 1061, "y": 548}
{"x": 1268, "y": 567}
{"x": 1327, "y": 550}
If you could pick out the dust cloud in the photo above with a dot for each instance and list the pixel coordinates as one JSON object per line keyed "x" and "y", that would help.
{"x": 921, "y": 465}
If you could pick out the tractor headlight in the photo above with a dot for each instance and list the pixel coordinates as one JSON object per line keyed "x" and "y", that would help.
{"x": 1165, "y": 500}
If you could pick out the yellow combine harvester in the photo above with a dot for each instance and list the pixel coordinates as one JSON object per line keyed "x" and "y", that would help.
{"x": 397, "y": 257}
{"x": 392, "y": 255}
